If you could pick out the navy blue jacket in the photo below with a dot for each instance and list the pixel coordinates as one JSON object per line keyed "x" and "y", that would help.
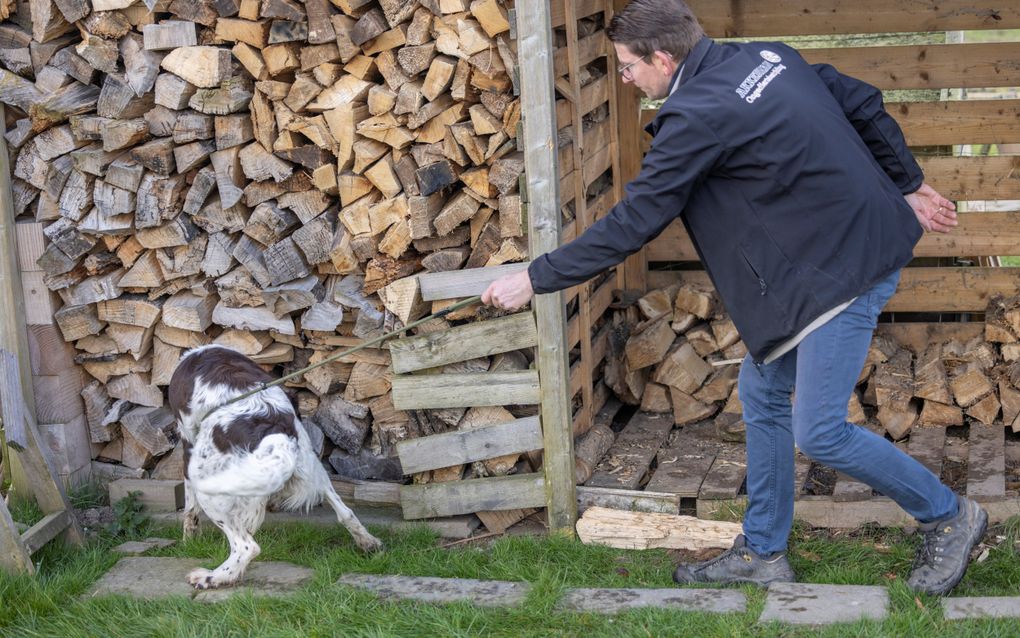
{"x": 788, "y": 177}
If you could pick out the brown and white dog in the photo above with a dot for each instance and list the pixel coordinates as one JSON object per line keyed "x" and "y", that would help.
{"x": 244, "y": 456}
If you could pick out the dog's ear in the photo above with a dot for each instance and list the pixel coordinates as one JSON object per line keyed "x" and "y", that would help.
{"x": 292, "y": 395}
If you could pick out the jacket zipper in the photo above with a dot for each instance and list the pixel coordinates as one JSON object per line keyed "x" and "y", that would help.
{"x": 761, "y": 282}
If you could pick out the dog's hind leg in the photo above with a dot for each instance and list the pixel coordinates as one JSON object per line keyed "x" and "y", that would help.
{"x": 190, "y": 511}
{"x": 238, "y": 517}
{"x": 362, "y": 537}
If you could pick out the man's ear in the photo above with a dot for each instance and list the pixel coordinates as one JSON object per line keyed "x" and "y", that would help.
{"x": 664, "y": 62}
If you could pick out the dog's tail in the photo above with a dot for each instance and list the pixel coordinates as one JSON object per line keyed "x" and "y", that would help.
{"x": 262, "y": 472}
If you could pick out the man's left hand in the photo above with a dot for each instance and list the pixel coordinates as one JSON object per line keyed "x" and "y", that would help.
{"x": 934, "y": 212}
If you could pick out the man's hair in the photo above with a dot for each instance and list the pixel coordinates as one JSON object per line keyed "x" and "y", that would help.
{"x": 647, "y": 26}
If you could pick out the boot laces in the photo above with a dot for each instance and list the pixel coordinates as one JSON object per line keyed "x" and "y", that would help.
{"x": 930, "y": 551}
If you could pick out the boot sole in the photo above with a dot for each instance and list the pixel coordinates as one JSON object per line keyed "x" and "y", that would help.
{"x": 958, "y": 576}
{"x": 681, "y": 580}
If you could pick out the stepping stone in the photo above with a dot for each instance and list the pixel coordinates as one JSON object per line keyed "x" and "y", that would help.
{"x": 485, "y": 593}
{"x": 981, "y": 607}
{"x": 135, "y": 548}
{"x": 806, "y": 604}
{"x": 149, "y": 578}
{"x": 613, "y": 601}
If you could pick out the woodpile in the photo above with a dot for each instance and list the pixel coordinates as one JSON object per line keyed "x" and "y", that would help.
{"x": 675, "y": 350}
{"x": 266, "y": 174}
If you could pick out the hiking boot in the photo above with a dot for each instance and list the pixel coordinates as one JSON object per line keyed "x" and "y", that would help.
{"x": 737, "y": 565}
{"x": 945, "y": 549}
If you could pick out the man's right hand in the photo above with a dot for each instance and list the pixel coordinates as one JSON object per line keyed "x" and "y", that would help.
{"x": 509, "y": 292}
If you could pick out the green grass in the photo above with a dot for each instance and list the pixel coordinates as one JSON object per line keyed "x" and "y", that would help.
{"x": 52, "y": 603}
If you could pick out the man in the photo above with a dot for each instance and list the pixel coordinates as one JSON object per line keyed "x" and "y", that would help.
{"x": 804, "y": 203}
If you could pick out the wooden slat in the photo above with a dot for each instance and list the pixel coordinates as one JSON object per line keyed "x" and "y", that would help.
{"x": 463, "y": 283}
{"x": 600, "y": 303}
{"x": 415, "y": 392}
{"x": 818, "y": 17}
{"x": 920, "y": 289}
{"x": 927, "y": 445}
{"x": 974, "y": 178}
{"x": 599, "y": 345}
{"x": 14, "y": 556}
{"x": 928, "y": 66}
{"x": 455, "y": 448}
{"x": 588, "y": 49}
{"x": 727, "y": 474}
{"x": 632, "y": 451}
{"x": 460, "y": 343}
{"x": 681, "y": 471}
{"x": 45, "y": 530}
{"x": 986, "y": 464}
{"x": 582, "y": 9}
{"x": 938, "y": 123}
{"x": 473, "y": 495}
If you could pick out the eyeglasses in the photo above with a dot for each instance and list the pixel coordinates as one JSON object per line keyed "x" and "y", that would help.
{"x": 625, "y": 69}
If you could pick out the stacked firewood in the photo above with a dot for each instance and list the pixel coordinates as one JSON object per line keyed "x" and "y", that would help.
{"x": 677, "y": 350}
{"x": 255, "y": 173}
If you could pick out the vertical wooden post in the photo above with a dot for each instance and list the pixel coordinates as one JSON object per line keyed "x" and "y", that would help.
{"x": 18, "y": 405}
{"x": 628, "y": 121}
{"x": 538, "y": 105}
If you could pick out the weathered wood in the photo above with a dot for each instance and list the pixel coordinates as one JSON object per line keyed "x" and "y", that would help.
{"x": 463, "y": 497}
{"x": 986, "y": 462}
{"x": 464, "y": 342}
{"x": 452, "y": 448}
{"x": 203, "y": 66}
{"x": 465, "y": 390}
{"x": 169, "y": 34}
{"x": 463, "y": 283}
{"x": 628, "y": 459}
{"x": 644, "y": 530}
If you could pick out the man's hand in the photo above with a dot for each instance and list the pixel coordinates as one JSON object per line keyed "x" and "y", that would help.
{"x": 934, "y": 212}
{"x": 509, "y": 292}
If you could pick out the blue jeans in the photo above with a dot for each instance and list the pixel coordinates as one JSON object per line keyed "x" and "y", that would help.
{"x": 824, "y": 368}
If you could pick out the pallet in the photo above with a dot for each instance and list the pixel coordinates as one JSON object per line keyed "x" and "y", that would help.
{"x": 693, "y": 464}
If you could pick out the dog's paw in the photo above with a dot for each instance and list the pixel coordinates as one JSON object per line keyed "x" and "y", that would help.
{"x": 369, "y": 545}
{"x": 208, "y": 579}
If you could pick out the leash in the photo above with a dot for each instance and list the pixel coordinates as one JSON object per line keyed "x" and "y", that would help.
{"x": 265, "y": 386}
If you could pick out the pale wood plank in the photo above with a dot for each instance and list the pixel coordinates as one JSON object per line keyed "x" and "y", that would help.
{"x": 628, "y": 459}
{"x": 927, "y": 445}
{"x": 629, "y": 500}
{"x": 474, "y": 495}
{"x": 822, "y": 17}
{"x": 920, "y": 290}
{"x": 456, "y": 448}
{"x": 415, "y": 392}
{"x": 453, "y": 284}
{"x": 465, "y": 342}
{"x": 45, "y": 530}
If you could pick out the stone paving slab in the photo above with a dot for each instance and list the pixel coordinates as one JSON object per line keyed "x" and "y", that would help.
{"x": 485, "y": 593}
{"x": 148, "y": 577}
{"x": 807, "y": 604}
{"x": 981, "y": 607}
{"x": 135, "y": 548}
{"x": 613, "y": 601}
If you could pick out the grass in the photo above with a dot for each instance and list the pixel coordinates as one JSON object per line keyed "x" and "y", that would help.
{"x": 52, "y": 603}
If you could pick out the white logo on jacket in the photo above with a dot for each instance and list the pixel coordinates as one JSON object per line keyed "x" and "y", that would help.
{"x": 760, "y": 77}
{"x": 771, "y": 56}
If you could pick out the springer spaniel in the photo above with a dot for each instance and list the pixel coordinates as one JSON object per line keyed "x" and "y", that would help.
{"x": 243, "y": 456}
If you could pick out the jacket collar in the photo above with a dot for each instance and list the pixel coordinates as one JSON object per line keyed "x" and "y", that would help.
{"x": 687, "y": 69}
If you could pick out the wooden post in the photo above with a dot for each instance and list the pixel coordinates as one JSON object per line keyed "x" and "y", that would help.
{"x": 629, "y": 134}
{"x": 534, "y": 28}
{"x": 15, "y": 370}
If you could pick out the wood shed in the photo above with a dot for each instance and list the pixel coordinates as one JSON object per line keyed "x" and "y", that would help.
{"x": 292, "y": 178}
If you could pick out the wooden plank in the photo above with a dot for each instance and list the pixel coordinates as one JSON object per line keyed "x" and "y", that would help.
{"x": 820, "y": 17}
{"x": 681, "y": 471}
{"x": 978, "y": 235}
{"x": 535, "y": 50}
{"x": 473, "y": 495}
{"x": 973, "y": 178}
{"x": 629, "y": 500}
{"x": 926, "y": 66}
{"x": 45, "y": 530}
{"x": 557, "y": 11}
{"x": 986, "y": 464}
{"x": 958, "y": 289}
{"x": 726, "y": 477}
{"x": 589, "y": 48}
{"x": 454, "y": 284}
{"x": 479, "y": 339}
{"x": 456, "y": 448}
{"x": 927, "y": 445}
{"x": 937, "y": 123}
{"x": 628, "y": 459}
{"x": 414, "y": 392}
